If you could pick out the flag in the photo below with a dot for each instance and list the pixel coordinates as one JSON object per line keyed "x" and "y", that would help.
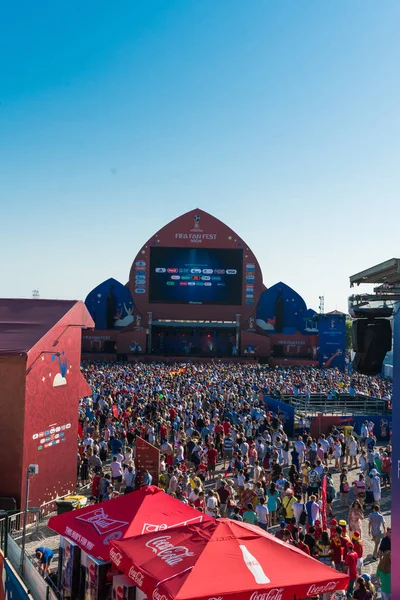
{"x": 229, "y": 470}
{"x": 115, "y": 411}
{"x": 323, "y": 497}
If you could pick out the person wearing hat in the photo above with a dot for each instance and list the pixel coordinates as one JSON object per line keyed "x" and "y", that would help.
{"x": 358, "y": 548}
{"x": 375, "y": 484}
{"x": 343, "y": 525}
{"x": 362, "y": 591}
{"x": 350, "y": 562}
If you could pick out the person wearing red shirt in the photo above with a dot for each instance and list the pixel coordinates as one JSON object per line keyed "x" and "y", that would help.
{"x": 227, "y": 426}
{"x": 336, "y": 550}
{"x": 359, "y": 549}
{"x": 95, "y": 485}
{"x": 163, "y": 433}
{"x": 301, "y": 545}
{"x": 199, "y": 503}
{"x": 351, "y": 563}
{"x": 318, "y": 530}
{"x": 212, "y": 454}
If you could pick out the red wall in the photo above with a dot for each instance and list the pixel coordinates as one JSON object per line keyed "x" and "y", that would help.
{"x": 49, "y": 406}
{"x": 12, "y": 400}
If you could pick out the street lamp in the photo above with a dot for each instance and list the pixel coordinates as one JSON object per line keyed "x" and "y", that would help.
{"x": 31, "y": 471}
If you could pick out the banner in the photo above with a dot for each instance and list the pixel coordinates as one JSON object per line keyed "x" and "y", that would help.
{"x": 323, "y": 497}
{"x": 332, "y": 340}
{"x": 147, "y": 457}
{"x": 396, "y": 455}
{"x": 286, "y": 410}
{"x": 11, "y": 586}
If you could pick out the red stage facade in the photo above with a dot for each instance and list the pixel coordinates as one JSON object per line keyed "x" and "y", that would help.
{"x": 196, "y": 289}
{"x": 41, "y": 383}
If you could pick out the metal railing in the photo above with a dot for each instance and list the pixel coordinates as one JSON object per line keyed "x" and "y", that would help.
{"x": 342, "y": 405}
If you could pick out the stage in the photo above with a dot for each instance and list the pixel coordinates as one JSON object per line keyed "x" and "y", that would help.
{"x": 166, "y": 359}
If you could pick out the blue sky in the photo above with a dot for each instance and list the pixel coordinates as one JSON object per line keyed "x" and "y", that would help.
{"x": 279, "y": 117}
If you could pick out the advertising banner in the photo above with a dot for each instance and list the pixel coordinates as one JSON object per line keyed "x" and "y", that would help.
{"x": 286, "y": 410}
{"x": 396, "y": 456}
{"x": 332, "y": 340}
{"x": 147, "y": 457}
{"x": 11, "y": 585}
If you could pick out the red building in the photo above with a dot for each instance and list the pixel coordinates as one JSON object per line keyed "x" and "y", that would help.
{"x": 40, "y": 385}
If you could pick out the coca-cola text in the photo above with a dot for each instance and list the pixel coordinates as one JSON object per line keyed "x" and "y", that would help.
{"x": 275, "y": 594}
{"x": 321, "y": 589}
{"x": 116, "y": 557}
{"x": 136, "y": 577}
{"x": 169, "y": 553}
{"x": 158, "y": 596}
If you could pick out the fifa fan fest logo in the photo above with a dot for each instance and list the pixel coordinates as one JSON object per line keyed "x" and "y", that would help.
{"x": 170, "y": 554}
{"x": 196, "y": 220}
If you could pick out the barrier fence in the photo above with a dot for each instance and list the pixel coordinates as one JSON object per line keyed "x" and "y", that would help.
{"x": 11, "y": 534}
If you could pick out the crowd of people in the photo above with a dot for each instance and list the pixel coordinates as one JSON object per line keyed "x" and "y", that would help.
{"x": 226, "y": 454}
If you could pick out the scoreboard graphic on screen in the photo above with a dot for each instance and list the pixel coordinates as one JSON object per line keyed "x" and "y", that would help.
{"x": 195, "y": 276}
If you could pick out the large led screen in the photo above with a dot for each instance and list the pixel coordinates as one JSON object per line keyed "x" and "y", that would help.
{"x": 195, "y": 276}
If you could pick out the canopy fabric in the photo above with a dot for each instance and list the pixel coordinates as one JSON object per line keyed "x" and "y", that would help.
{"x": 219, "y": 560}
{"x": 147, "y": 510}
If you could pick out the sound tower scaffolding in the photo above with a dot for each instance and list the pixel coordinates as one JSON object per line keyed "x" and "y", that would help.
{"x": 387, "y": 275}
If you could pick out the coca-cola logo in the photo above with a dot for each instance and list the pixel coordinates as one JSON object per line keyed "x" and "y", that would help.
{"x": 136, "y": 576}
{"x": 120, "y": 593}
{"x": 275, "y": 594}
{"x": 219, "y": 598}
{"x": 158, "y": 596}
{"x": 321, "y": 589}
{"x": 170, "y": 554}
{"x": 116, "y": 557}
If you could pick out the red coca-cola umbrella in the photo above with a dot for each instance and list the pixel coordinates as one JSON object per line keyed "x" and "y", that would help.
{"x": 221, "y": 560}
{"x": 146, "y": 510}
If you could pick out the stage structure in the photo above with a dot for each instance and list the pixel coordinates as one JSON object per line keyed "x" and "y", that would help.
{"x": 40, "y": 386}
{"x": 196, "y": 289}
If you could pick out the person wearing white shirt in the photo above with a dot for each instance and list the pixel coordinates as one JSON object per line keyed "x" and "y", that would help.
{"x": 116, "y": 472}
{"x": 300, "y": 447}
{"x": 262, "y": 514}
{"x": 88, "y": 442}
{"x": 211, "y": 504}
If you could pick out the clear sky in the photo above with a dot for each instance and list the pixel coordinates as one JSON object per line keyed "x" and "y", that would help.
{"x": 280, "y": 117}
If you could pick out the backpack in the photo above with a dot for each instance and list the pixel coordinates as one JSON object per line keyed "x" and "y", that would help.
{"x": 303, "y": 516}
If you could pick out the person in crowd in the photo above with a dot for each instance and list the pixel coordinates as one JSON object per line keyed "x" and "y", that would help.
{"x": 362, "y": 592}
{"x": 383, "y": 574}
{"x": 355, "y": 517}
{"x": 376, "y": 528}
{"x": 386, "y": 543}
{"x": 44, "y": 557}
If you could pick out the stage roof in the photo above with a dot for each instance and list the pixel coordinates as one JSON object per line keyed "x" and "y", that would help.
{"x": 23, "y": 322}
{"x": 386, "y": 272}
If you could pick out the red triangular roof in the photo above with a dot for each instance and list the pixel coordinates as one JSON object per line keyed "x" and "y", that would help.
{"x": 221, "y": 559}
{"x": 148, "y": 509}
